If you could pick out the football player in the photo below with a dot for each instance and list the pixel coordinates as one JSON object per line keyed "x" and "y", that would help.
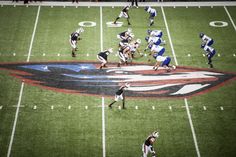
{"x": 163, "y": 61}
{"x": 120, "y": 95}
{"x": 210, "y": 52}
{"x": 124, "y": 13}
{"x": 152, "y": 12}
{"x": 124, "y": 35}
{"x": 102, "y": 57}
{"x": 124, "y": 54}
{"x": 155, "y": 33}
{"x": 134, "y": 47}
{"x": 206, "y": 40}
{"x": 74, "y": 37}
{"x": 147, "y": 146}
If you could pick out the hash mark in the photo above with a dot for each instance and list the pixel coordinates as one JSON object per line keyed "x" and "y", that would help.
{"x": 0, "y": 107}
{"x": 86, "y": 107}
{"x": 170, "y": 108}
{"x": 35, "y": 107}
{"x": 52, "y": 107}
{"x": 221, "y": 108}
{"x": 136, "y": 107}
{"x": 153, "y": 107}
{"x": 69, "y": 107}
{"x": 204, "y": 108}
{"x": 119, "y": 107}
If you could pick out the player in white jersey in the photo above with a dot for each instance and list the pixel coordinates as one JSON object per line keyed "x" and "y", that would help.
{"x": 210, "y": 52}
{"x": 147, "y": 146}
{"x": 134, "y": 47}
{"x": 163, "y": 61}
{"x": 155, "y": 33}
{"x": 206, "y": 40}
{"x": 152, "y": 12}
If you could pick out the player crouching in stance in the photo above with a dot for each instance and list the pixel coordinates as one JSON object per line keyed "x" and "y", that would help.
{"x": 210, "y": 52}
{"x": 163, "y": 61}
{"x": 152, "y": 12}
{"x": 102, "y": 57}
{"x": 124, "y": 13}
{"x": 206, "y": 40}
{"x": 135, "y": 48}
{"x": 120, "y": 95}
{"x": 74, "y": 37}
{"x": 148, "y": 144}
{"x": 124, "y": 54}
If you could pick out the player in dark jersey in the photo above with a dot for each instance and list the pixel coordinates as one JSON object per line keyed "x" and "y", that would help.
{"x": 74, "y": 37}
{"x": 124, "y": 13}
{"x": 120, "y": 95}
{"x": 102, "y": 57}
{"x": 148, "y": 144}
{"x": 124, "y": 35}
{"x": 124, "y": 54}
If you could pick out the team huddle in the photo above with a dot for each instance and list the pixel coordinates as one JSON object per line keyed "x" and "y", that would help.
{"x": 129, "y": 49}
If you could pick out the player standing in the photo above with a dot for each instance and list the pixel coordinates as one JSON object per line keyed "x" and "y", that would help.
{"x": 148, "y": 144}
{"x": 102, "y": 57}
{"x": 152, "y": 12}
{"x": 124, "y": 13}
{"x": 74, "y": 37}
{"x": 120, "y": 95}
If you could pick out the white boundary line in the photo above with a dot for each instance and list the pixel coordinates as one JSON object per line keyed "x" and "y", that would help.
{"x": 192, "y": 128}
{"x": 168, "y": 33}
{"x": 230, "y": 18}
{"x": 110, "y": 4}
{"x": 103, "y": 105}
{"x": 21, "y": 90}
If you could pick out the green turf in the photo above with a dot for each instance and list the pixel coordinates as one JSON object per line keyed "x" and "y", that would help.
{"x": 78, "y": 131}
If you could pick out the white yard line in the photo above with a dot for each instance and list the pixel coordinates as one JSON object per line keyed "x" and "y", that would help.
{"x": 21, "y": 90}
{"x": 192, "y": 128}
{"x": 185, "y": 100}
{"x": 168, "y": 33}
{"x": 103, "y": 105}
{"x": 230, "y": 18}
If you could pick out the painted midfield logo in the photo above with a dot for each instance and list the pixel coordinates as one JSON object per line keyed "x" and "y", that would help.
{"x": 86, "y": 78}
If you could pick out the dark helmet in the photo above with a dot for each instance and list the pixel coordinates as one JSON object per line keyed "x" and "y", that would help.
{"x": 201, "y": 35}
{"x": 146, "y": 38}
{"x": 146, "y": 8}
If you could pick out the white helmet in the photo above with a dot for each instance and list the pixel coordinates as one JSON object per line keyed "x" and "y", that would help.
{"x": 80, "y": 30}
{"x": 127, "y": 85}
{"x": 138, "y": 41}
{"x": 155, "y": 134}
{"x": 129, "y": 30}
{"x": 131, "y": 35}
{"x": 110, "y": 50}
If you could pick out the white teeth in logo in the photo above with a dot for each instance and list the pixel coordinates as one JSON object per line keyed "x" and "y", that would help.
{"x": 149, "y": 88}
{"x": 189, "y": 89}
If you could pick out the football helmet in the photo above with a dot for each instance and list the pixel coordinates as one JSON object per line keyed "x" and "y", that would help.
{"x": 147, "y": 38}
{"x": 129, "y": 30}
{"x": 201, "y": 35}
{"x": 155, "y": 134}
{"x": 80, "y": 30}
{"x": 110, "y": 50}
{"x": 138, "y": 41}
{"x": 150, "y": 46}
{"x": 127, "y": 85}
{"x": 203, "y": 45}
{"x": 146, "y": 8}
{"x": 149, "y": 31}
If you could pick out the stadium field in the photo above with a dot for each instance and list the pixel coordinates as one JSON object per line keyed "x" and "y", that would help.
{"x": 38, "y": 120}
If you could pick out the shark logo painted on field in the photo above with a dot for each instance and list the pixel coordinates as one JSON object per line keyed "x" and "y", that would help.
{"x": 86, "y": 78}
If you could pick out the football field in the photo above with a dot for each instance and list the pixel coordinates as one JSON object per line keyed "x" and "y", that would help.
{"x": 45, "y": 116}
